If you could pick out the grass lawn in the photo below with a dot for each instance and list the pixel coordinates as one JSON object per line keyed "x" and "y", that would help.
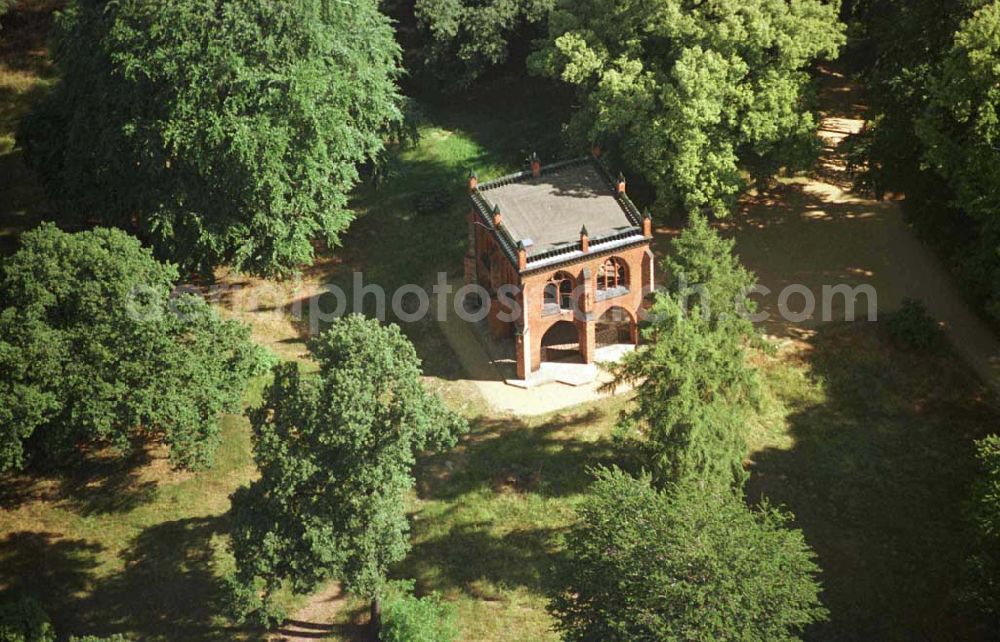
{"x": 869, "y": 445}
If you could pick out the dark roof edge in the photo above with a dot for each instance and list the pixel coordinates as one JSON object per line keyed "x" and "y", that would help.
{"x": 531, "y": 269}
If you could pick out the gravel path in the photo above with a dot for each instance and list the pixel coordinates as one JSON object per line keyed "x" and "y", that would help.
{"x": 815, "y": 232}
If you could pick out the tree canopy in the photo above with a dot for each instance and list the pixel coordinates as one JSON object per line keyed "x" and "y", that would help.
{"x": 694, "y": 391}
{"x": 95, "y": 350}
{"x": 463, "y": 39}
{"x": 931, "y": 71}
{"x": 645, "y": 565}
{"x": 335, "y": 452}
{"x": 692, "y": 94}
{"x": 222, "y": 132}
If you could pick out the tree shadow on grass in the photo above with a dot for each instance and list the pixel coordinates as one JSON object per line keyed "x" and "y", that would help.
{"x": 168, "y": 590}
{"x": 97, "y": 484}
{"x": 876, "y": 478}
{"x": 508, "y": 487}
{"x": 48, "y": 567}
{"x": 509, "y": 455}
{"x": 476, "y": 561}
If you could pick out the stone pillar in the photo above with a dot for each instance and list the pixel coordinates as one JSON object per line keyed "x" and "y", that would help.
{"x": 649, "y": 271}
{"x": 588, "y": 340}
{"x": 470, "y": 268}
{"x": 523, "y": 353}
{"x": 469, "y": 260}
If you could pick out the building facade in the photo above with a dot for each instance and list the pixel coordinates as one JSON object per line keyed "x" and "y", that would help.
{"x": 565, "y": 257}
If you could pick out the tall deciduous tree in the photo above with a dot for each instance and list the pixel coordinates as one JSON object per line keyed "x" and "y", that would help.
{"x": 960, "y": 128}
{"x": 693, "y": 93}
{"x": 335, "y": 452}
{"x": 694, "y": 390}
{"x": 94, "y": 350}
{"x": 645, "y": 565}
{"x": 223, "y": 131}
{"x": 931, "y": 72}
{"x": 465, "y": 38}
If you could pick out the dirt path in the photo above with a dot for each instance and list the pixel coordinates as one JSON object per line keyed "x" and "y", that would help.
{"x": 815, "y": 232}
{"x": 313, "y": 621}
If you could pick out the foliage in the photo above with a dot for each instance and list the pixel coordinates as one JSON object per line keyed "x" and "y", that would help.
{"x": 693, "y": 93}
{"x": 95, "y": 350}
{"x": 984, "y": 565}
{"x": 22, "y": 619}
{"x": 335, "y": 452}
{"x": 224, "y": 132}
{"x": 932, "y": 78}
{"x": 4, "y": 6}
{"x": 912, "y": 327}
{"x": 411, "y": 619}
{"x": 682, "y": 564}
{"x": 95, "y": 638}
{"x": 465, "y": 38}
{"x": 960, "y": 132}
{"x": 694, "y": 390}
{"x": 704, "y": 269}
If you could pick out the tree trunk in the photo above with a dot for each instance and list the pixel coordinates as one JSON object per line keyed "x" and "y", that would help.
{"x": 376, "y": 618}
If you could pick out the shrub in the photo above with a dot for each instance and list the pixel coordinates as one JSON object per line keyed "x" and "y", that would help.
{"x": 983, "y": 589}
{"x": 407, "y": 618}
{"x": 912, "y": 327}
{"x": 22, "y": 619}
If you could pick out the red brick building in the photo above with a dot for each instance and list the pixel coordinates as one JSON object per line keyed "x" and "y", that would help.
{"x": 566, "y": 239}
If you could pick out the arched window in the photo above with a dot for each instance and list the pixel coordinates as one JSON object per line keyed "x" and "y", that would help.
{"x": 612, "y": 277}
{"x": 558, "y": 294}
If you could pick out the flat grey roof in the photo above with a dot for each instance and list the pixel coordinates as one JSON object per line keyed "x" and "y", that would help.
{"x": 550, "y": 210}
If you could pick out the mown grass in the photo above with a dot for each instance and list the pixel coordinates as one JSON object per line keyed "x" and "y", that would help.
{"x": 869, "y": 445}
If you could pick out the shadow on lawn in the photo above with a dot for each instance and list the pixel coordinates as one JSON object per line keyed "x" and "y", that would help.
{"x": 504, "y": 462}
{"x": 168, "y": 589}
{"x": 474, "y": 560}
{"x": 48, "y": 567}
{"x": 876, "y": 478}
{"x": 95, "y": 484}
{"x": 508, "y": 455}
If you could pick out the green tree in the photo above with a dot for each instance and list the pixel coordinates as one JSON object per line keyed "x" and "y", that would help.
{"x": 95, "y": 350}
{"x": 931, "y": 76}
{"x": 222, "y": 131}
{"x": 694, "y": 390}
{"x": 645, "y": 565}
{"x": 693, "y": 93}
{"x": 960, "y": 132}
{"x": 462, "y": 39}
{"x": 983, "y": 589}
{"x": 335, "y": 452}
